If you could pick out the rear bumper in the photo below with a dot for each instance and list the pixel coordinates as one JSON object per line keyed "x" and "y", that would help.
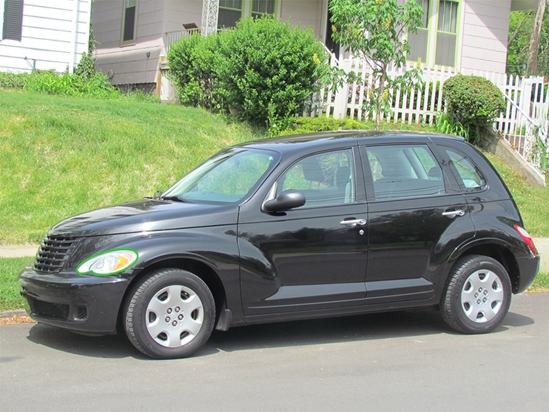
{"x": 83, "y": 304}
{"x": 528, "y": 269}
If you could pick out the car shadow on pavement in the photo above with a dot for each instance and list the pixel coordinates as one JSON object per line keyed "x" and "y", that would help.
{"x": 390, "y": 325}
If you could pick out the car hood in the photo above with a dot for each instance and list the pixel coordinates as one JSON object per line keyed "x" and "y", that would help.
{"x": 146, "y": 215}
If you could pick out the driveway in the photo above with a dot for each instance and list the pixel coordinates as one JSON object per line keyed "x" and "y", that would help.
{"x": 402, "y": 361}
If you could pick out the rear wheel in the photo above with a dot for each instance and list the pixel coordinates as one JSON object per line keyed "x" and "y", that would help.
{"x": 478, "y": 295}
{"x": 169, "y": 314}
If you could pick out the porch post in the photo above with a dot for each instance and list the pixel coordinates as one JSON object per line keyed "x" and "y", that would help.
{"x": 210, "y": 9}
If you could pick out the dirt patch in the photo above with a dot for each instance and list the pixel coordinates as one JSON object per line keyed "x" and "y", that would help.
{"x": 15, "y": 320}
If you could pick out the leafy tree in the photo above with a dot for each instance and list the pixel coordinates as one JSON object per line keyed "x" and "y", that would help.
{"x": 521, "y": 28}
{"x": 374, "y": 30}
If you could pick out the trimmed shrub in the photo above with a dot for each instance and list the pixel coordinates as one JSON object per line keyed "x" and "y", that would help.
{"x": 474, "y": 102}
{"x": 262, "y": 71}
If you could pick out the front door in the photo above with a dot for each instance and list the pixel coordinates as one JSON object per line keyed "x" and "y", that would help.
{"x": 312, "y": 257}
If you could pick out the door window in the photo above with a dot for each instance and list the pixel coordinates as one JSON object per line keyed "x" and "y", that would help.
{"x": 325, "y": 179}
{"x": 404, "y": 171}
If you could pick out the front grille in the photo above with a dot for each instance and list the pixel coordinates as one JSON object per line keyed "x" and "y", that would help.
{"x": 50, "y": 310}
{"x": 53, "y": 253}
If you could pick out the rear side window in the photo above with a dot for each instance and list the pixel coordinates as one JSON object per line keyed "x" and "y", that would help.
{"x": 470, "y": 178}
{"x": 404, "y": 171}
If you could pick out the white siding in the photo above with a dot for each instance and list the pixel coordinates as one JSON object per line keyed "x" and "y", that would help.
{"x": 484, "y": 39}
{"x": 54, "y": 35}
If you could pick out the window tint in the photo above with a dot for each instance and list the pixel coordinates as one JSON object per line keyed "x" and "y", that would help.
{"x": 324, "y": 179}
{"x": 470, "y": 177}
{"x": 404, "y": 171}
{"x": 224, "y": 178}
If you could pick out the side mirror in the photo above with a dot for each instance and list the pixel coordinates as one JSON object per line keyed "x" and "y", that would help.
{"x": 287, "y": 200}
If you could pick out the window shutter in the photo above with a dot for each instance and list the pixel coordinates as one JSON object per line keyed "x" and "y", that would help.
{"x": 13, "y": 19}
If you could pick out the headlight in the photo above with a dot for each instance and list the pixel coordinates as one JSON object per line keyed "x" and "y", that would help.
{"x": 108, "y": 263}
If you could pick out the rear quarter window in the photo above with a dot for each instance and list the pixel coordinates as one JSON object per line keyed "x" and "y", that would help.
{"x": 469, "y": 176}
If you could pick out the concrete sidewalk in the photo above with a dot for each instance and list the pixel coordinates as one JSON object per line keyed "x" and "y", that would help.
{"x": 542, "y": 245}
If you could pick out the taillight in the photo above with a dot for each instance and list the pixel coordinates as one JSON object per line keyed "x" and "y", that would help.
{"x": 527, "y": 238}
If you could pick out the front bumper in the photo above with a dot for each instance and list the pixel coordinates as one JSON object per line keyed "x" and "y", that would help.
{"x": 85, "y": 304}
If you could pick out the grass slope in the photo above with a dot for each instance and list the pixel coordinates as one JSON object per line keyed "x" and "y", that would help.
{"x": 61, "y": 156}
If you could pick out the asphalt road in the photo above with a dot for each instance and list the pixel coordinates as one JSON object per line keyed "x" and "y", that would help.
{"x": 402, "y": 361}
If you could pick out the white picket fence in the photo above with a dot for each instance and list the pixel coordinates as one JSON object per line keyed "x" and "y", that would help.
{"x": 523, "y": 124}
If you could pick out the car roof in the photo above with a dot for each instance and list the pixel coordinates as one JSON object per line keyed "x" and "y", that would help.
{"x": 319, "y": 140}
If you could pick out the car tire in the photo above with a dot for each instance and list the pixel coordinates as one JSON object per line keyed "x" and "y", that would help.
{"x": 477, "y": 296}
{"x": 169, "y": 314}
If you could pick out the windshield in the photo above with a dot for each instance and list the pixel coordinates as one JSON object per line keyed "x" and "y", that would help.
{"x": 227, "y": 177}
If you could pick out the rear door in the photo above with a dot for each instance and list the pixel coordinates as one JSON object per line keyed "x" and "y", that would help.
{"x": 417, "y": 216}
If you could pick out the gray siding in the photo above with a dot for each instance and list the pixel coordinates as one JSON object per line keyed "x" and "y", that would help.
{"x": 54, "y": 36}
{"x": 484, "y": 39}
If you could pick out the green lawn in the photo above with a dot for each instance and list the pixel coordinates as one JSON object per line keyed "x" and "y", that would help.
{"x": 61, "y": 156}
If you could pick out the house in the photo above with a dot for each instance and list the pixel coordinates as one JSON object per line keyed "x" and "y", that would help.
{"x": 133, "y": 36}
{"x": 43, "y": 34}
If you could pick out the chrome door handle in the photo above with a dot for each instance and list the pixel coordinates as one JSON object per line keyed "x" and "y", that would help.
{"x": 353, "y": 222}
{"x": 452, "y": 214}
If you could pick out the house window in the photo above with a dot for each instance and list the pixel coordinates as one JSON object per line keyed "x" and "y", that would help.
{"x": 12, "y": 19}
{"x": 230, "y": 11}
{"x": 435, "y": 42}
{"x": 129, "y": 21}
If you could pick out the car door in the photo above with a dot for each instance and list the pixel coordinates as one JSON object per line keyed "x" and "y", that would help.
{"x": 312, "y": 257}
{"x": 417, "y": 215}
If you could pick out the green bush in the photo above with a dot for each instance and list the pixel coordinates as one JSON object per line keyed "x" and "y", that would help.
{"x": 50, "y": 82}
{"x": 13, "y": 80}
{"x": 262, "y": 71}
{"x": 320, "y": 124}
{"x": 474, "y": 102}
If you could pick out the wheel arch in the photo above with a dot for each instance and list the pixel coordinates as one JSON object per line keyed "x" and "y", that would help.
{"x": 497, "y": 250}
{"x": 193, "y": 265}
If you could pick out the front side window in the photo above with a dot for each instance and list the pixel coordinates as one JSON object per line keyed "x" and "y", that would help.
{"x": 129, "y": 21}
{"x": 227, "y": 177}
{"x": 325, "y": 179}
{"x": 11, "y": 12}
{"x": 435, "y": 42}
{"x": 470, "y": 178}
{"x": 404, "y": 171}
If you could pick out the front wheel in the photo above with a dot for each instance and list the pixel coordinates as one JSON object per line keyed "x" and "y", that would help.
{"x": 478, "y": 295}
{"x": 169, "y": 314}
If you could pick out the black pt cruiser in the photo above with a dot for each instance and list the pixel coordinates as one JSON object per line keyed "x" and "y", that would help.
{"x": 300, "y": 227}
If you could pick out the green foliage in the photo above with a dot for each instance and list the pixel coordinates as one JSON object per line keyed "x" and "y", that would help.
{"x": 319, "y": 124}
{"x": 517, "y": 51}
{"x": 474, "y": 102}
{"x": 446, "y": 126}
{"x": 373, "y": 30}
{"x": 86, "y": 67}
{"x": 262, "y": 71}
{"x": 72, "y": 85}
{"x": 13, "y": 81}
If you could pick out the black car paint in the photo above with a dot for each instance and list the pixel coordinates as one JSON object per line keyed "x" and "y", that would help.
{"x": 299, "y": 263}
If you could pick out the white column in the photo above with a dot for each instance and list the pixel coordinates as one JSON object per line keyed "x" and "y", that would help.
{"x": 210, "y": 10}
